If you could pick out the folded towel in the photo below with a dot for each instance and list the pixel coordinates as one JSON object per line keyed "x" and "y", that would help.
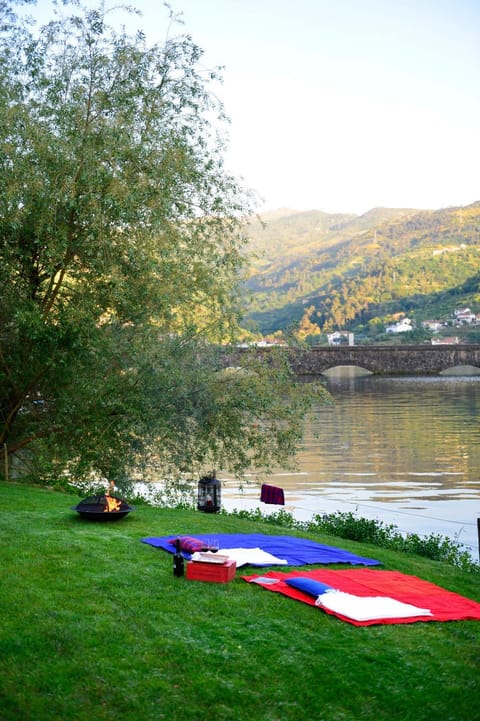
{"x": 254, "y": 556}
{"x": 368, "y": 608}
{"x": 272, "y": 494}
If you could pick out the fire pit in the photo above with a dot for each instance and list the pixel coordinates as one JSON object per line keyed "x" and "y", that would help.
{"x": 103, "y": 507}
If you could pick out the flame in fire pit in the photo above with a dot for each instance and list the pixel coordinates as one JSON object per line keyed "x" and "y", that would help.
{"x": 113, "y": 504}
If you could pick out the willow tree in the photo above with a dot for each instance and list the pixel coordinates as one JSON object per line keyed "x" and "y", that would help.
{"x": 120, "y": 253}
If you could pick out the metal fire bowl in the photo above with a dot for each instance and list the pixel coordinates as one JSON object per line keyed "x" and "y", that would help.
{"x": 93, "y": 510}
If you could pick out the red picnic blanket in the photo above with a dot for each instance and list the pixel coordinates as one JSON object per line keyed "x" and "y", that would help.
{"x": 442, "y": 605}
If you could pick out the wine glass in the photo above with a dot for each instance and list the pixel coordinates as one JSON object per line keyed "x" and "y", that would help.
{"x": 213, "y": 545}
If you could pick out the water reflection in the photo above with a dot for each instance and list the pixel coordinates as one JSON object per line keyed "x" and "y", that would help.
{"x": 404, "y": 450}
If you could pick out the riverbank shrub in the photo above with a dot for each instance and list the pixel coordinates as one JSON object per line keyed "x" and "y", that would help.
{"x": 344, "y": 524}
{"x": 366, "y": 530}
{"x": 433, "y": 546}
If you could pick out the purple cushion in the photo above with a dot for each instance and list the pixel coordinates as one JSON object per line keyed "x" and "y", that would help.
{"x": 188, "y": 544}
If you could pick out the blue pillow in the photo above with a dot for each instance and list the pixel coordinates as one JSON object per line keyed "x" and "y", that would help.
{"x": 308, "y": 585}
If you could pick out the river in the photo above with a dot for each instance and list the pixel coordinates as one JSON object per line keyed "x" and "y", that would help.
{"x": 402, "y": 450}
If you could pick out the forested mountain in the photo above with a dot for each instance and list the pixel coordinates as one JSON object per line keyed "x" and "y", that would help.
{"x": 343, "y": 271}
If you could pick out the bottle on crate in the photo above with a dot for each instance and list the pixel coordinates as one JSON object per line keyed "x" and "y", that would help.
{"x": 178, "y": 560}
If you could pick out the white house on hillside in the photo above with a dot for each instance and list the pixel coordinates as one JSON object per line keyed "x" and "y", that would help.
{"x": 464, "y": 316}
{"x": 433, "y": 325}
{"x": 403, "y": 326}
{"x": 340, "y": 337}
{"x": 445, "y": 341}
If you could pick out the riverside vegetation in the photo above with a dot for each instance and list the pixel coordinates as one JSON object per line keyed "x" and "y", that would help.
{"x": 95, "y": 626}
{"x": 348, "y": 525}
{"x": 121, "y": 249}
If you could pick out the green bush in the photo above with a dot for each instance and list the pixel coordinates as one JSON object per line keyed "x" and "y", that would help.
{"x": 365, "y": 530}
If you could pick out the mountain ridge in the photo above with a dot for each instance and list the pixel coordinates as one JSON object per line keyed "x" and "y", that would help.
{"x": 352, "y": 267}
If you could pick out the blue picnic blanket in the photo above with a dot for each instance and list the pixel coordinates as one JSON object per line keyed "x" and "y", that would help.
{"x": 296, "y": 551}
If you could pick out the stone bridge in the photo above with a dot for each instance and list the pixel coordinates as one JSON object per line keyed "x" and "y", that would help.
{"x": 390, "y": 360}
{"x": 387, "y": 360}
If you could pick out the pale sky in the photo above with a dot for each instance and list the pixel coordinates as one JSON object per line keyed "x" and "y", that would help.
{"x": 343, "y": 105}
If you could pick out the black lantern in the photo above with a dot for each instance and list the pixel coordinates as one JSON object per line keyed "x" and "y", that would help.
{"x": 209, "y": 494}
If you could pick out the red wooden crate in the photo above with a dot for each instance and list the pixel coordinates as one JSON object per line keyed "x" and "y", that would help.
{"x": 212, "y": 572}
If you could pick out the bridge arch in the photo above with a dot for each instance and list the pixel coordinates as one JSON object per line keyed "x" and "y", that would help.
{"x": 346, "y": 371}
{"x": 461, "y": 370}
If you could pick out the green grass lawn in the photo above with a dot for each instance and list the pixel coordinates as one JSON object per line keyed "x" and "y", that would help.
{"x": 95, "y": 627}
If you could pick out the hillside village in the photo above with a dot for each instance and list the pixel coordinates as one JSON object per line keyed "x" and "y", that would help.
{"x": 461, "y": 317}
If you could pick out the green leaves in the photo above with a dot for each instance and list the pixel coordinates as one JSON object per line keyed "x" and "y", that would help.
{"x": 121, "y": 245}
